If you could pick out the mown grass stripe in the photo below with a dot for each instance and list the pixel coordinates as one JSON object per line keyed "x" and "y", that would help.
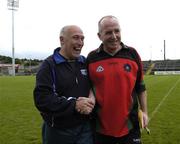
{"x": 164, "y": 98}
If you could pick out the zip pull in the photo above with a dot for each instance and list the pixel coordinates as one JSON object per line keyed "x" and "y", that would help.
{"x": 76, "y": 80}
{"x": 52, "y": 121}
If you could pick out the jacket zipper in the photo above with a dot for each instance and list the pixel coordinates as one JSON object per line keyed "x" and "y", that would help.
{"x": 52, "y": 122}
{"x": 76, "y": 80}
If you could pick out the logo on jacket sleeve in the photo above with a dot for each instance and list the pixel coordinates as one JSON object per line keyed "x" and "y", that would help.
{"x": 84, "y": 72}
{"x": 99, "y": 69}
{"x": 127, "y": 67}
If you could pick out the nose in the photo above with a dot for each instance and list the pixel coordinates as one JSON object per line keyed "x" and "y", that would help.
{"x": 81, "y": 42}
{"x": 113, "y": 35}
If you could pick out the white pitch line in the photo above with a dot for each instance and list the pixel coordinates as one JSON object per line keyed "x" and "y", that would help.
{"x": 164, "y": 98}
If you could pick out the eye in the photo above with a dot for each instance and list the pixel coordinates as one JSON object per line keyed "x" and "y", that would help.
{"x": 116, "y": 30}
{"x": 108, "y": 33}
{"x": 82, "y": 38}
{"x": 76, "y": 37}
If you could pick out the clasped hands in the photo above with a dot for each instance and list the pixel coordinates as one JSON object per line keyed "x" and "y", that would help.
{"x": 85, "y": 105}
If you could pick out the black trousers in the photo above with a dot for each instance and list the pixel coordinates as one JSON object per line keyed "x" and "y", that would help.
{"x": 134, "y": 137}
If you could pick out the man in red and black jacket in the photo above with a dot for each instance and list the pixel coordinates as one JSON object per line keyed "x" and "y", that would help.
{"x": 115, "y": 71}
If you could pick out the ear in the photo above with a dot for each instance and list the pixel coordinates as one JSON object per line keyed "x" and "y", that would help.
{"x": 99, "y": 35}
{"x": 61, "y": 40}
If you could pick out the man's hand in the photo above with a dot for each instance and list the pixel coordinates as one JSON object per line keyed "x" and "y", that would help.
{"x": 145, "y": 119}
{"x": 85, "y": 105}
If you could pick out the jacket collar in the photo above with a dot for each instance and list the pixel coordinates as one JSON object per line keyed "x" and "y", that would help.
{"x": 100, "y": 49}
{"x": 58, "y": 58}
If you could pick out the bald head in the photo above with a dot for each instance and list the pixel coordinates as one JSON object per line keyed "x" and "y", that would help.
{"x": 68, "y": 29}
{"x": 106, "y": 19}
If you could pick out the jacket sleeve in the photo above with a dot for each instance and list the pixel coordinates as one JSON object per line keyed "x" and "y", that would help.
{"x": 45, "y": 99}
{"x": 140, "y": 85}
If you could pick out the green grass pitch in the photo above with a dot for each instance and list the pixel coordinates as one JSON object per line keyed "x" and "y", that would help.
{"x": 20, "y": 122}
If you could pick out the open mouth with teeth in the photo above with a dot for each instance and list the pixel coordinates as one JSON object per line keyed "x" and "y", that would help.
{"x": 77, "y": 50}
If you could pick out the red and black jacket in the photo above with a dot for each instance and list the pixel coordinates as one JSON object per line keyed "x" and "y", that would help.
{"x": 116, "y": 81}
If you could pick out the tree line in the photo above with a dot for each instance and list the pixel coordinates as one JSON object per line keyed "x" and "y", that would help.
{"x": 24, "y": 61}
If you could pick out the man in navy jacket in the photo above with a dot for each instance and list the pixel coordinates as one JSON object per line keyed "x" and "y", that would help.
{"x": 62, "y": 93}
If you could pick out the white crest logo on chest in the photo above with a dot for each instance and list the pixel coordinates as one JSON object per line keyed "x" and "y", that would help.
{"x": 99, "y": 69}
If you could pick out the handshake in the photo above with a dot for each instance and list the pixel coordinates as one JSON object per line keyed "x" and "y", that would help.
{"x": 85, "y": 105}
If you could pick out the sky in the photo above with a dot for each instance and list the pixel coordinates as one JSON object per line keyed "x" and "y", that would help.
{"x": 145, "y": 24}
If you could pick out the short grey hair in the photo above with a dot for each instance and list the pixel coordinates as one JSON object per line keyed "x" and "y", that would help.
{"x": 63, "y": 30}
{"x": 101, "y": 20}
